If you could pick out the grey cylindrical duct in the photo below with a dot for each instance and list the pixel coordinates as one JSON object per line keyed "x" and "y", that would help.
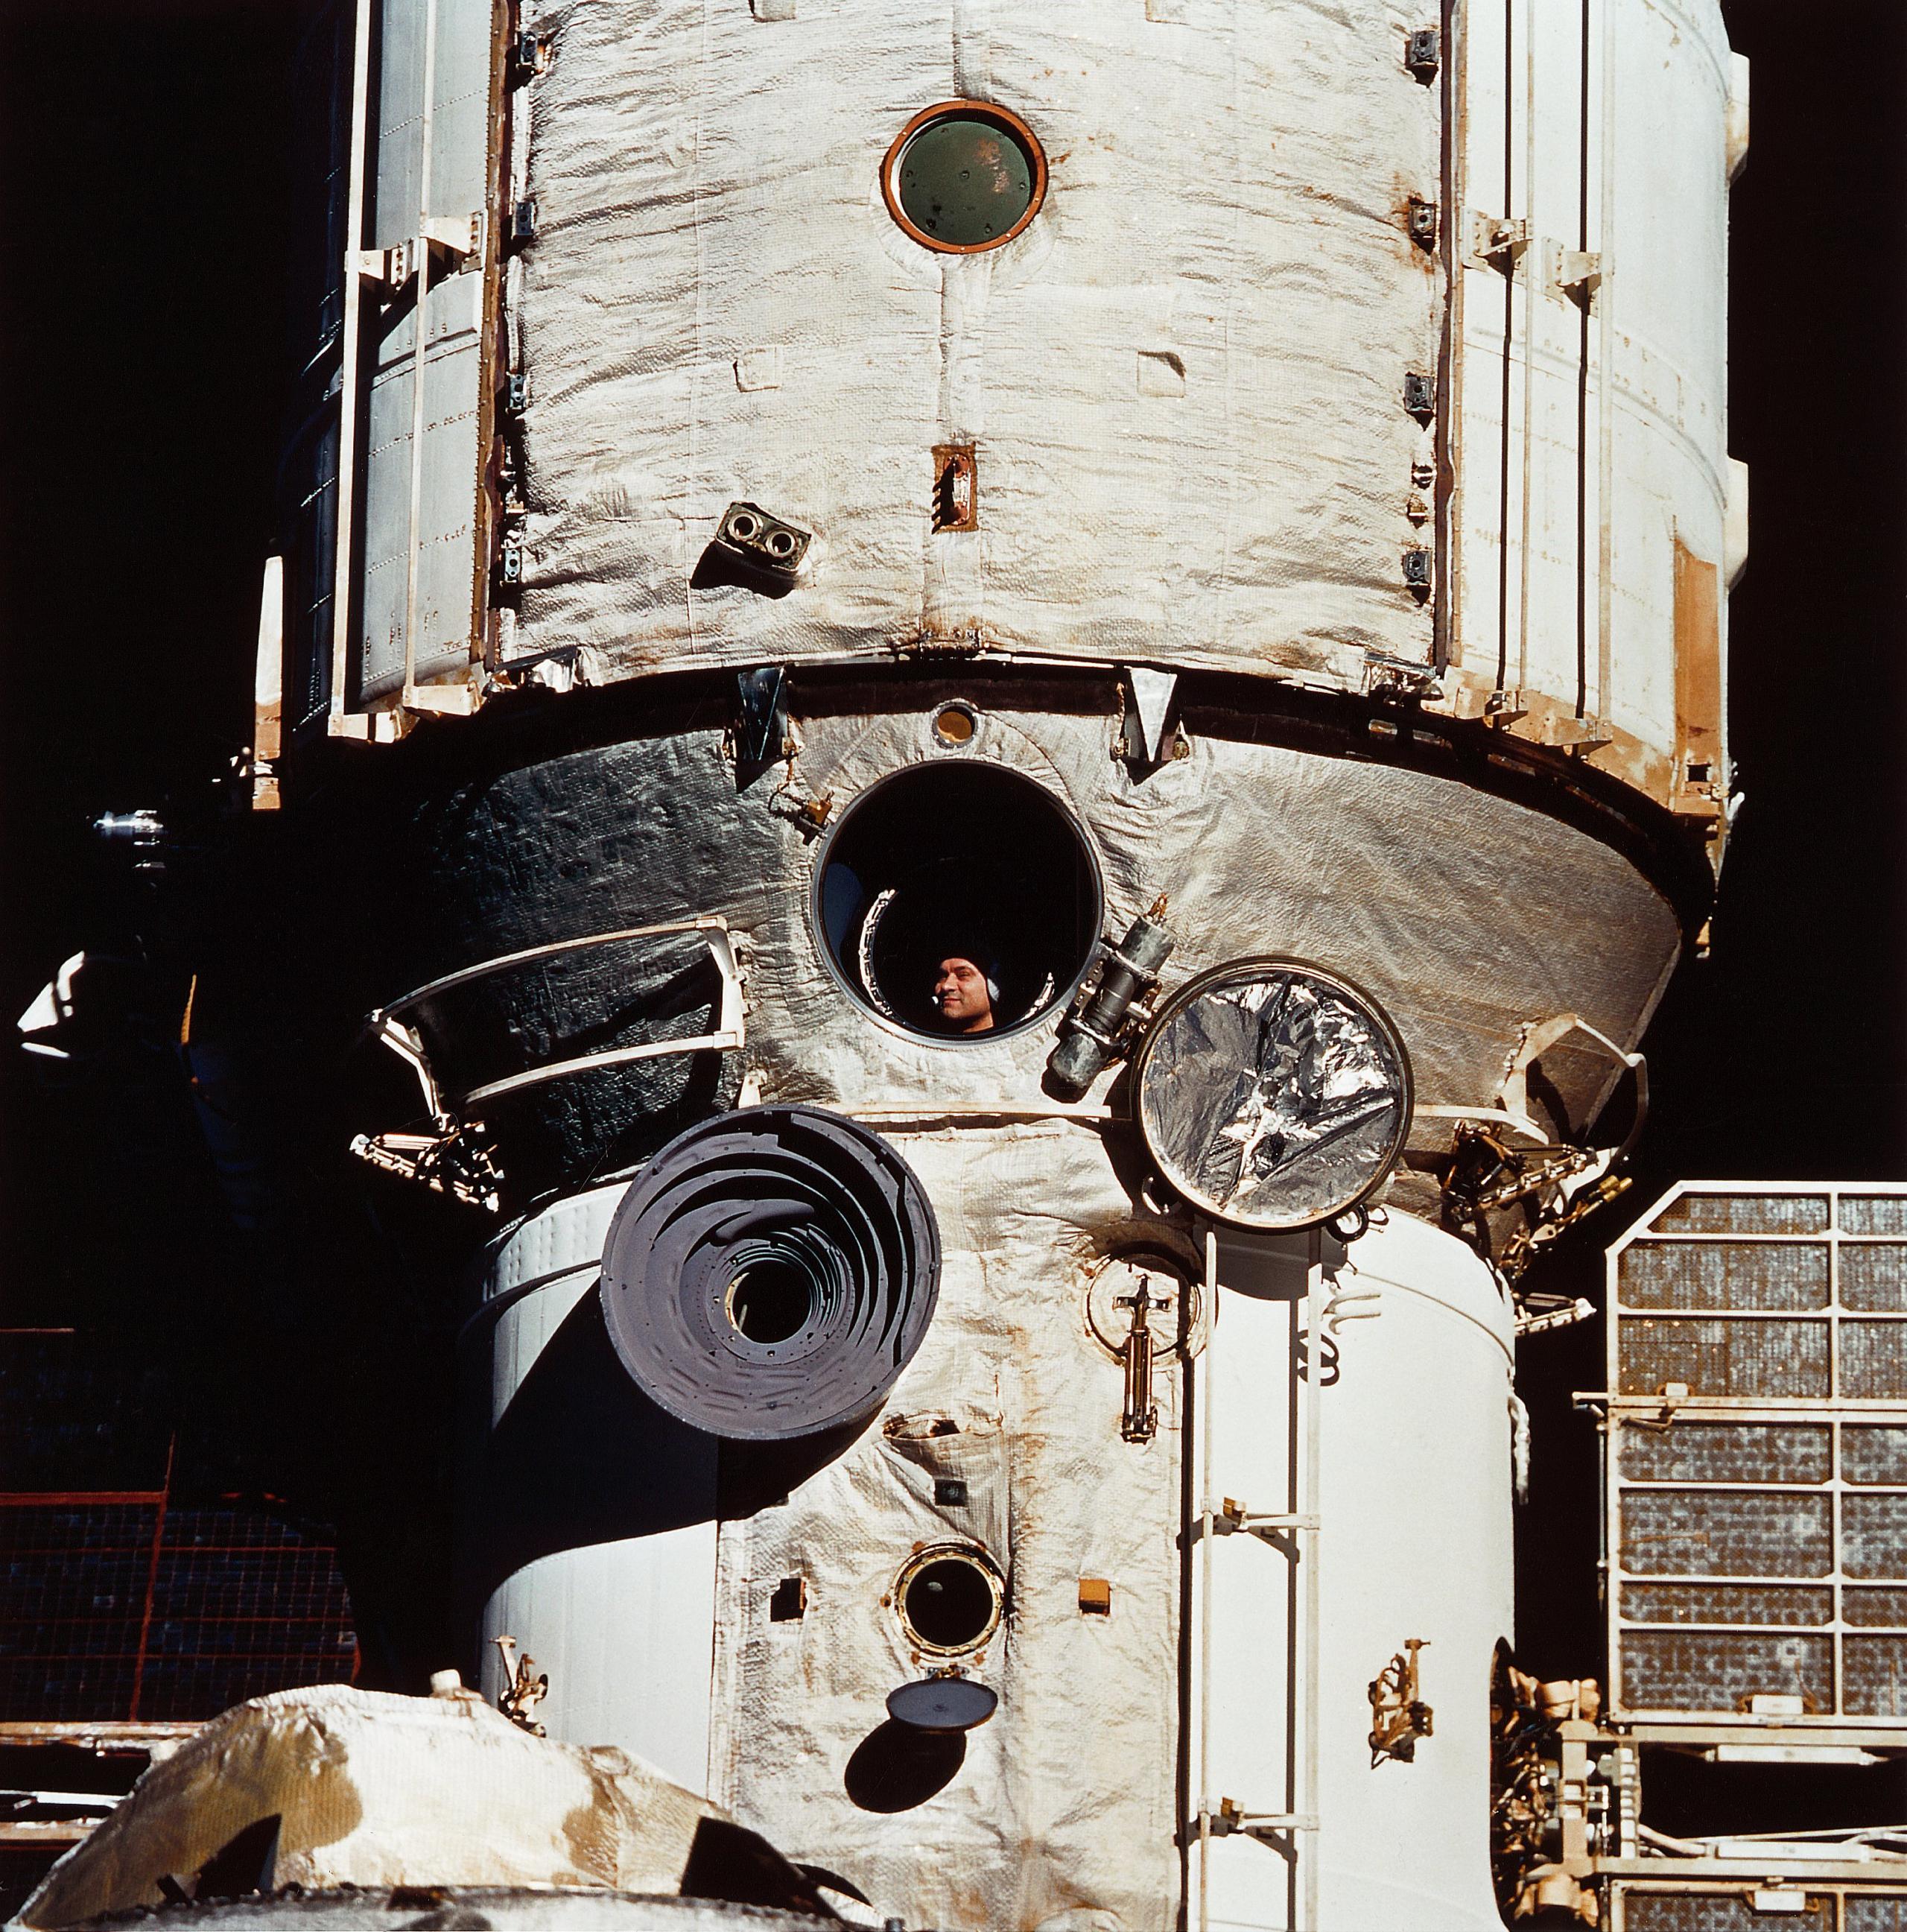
{"x": 770, "y": 1274}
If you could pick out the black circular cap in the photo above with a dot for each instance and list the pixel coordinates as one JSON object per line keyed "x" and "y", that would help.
{"x": 942, "y": 1704}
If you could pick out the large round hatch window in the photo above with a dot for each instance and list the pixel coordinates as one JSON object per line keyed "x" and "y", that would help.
{"x": 1273, "y": 1094}
{"x": 959, "y": 901}
{"x": 965, "y": 176}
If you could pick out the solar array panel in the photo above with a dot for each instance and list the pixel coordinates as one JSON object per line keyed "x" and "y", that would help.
{"x": 1757, "y": 1458}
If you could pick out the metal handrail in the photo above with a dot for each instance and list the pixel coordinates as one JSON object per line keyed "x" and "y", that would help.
{"x": 730, "y": 1031}
{"x": 702, "y": 923}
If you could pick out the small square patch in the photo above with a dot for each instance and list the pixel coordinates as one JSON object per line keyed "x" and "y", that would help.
{"x": 1161, "y": 373}
{"x": 759, "y": 368}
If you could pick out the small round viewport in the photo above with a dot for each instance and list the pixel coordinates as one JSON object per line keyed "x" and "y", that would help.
{"x": 949, "y": 1599}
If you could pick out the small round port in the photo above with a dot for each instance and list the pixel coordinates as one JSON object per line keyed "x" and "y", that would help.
{"x": 955, "y": 724}
{"x": 950, "y": 1596}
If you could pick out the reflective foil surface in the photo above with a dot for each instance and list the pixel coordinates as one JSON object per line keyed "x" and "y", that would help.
{"x": 1273, "y": 1098}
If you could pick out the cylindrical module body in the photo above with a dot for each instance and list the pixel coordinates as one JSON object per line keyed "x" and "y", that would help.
{"x": 955, "y": 480}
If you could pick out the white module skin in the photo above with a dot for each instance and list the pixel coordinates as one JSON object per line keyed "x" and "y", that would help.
{"x": 615, "y": 1550}
{"x": 1183, "y": 382}
{"x": 665, "y": 1643}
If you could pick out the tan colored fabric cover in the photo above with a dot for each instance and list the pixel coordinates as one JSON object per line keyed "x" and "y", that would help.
{"x": 373, "y": 1789}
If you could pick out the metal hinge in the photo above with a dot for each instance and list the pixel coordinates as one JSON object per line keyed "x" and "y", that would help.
{"x": 457, "y": 238}
{"x": 1421, "y": 220}
{"x": 1423, "y": 48}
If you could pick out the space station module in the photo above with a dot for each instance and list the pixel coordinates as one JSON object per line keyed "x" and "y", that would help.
{"x": 1216, "y": 521}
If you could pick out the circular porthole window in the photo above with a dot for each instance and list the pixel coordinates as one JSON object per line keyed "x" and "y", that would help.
{"x": 965, "y": 176}
{"x": 950, "y": 1596}
{"x": 958, "y": 900}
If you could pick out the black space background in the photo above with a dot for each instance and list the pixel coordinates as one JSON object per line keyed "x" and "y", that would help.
{"x": 146, "y": 349}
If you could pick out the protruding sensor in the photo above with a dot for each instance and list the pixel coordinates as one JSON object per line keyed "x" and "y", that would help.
{"x": 1273, "y": 1094}
{"x": 1092, "y": 1032}
{"x": 770, "y": 1274}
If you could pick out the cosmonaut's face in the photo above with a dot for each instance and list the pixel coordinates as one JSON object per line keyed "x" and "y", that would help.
{"x": 961, "y": 996}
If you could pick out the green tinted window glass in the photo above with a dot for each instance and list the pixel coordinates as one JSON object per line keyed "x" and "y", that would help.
{"x": 963, "y": 180}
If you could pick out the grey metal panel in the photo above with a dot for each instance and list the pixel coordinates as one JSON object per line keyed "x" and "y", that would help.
{"x": 446, "y": 521}
{"x": 1874, "y": 1912}
{"x": 1728, "y": 1603}
{"x": 1685, "y": 1669}
{"x": 1769, "y": 1360}
{"x": 450, "y": 40}
{"x": 308, "y": 496}
{"x": 1726, "y": 1533}
{"x": 1729, "y": 1452}
{"x": 314, "y": 568}
{"x": 1874, "y": 1276}
{"x": 1873, "y": 1455}
{"x": 1724, "y": 1274}
{"x": 1874, "y": 1674}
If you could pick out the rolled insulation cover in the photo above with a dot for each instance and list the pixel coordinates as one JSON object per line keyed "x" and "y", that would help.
{"x": 770, "y": 1274}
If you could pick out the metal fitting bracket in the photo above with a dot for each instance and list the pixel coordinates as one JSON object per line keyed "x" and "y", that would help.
{"x": 1574, "y": 274}
{"x": 765, "y": 543}
{"x": 1496, "y": 242}
{"x": 1423, "y": 52}
{"x": 1269, "y": 1828}
{"x": 1399, "y": 1718}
